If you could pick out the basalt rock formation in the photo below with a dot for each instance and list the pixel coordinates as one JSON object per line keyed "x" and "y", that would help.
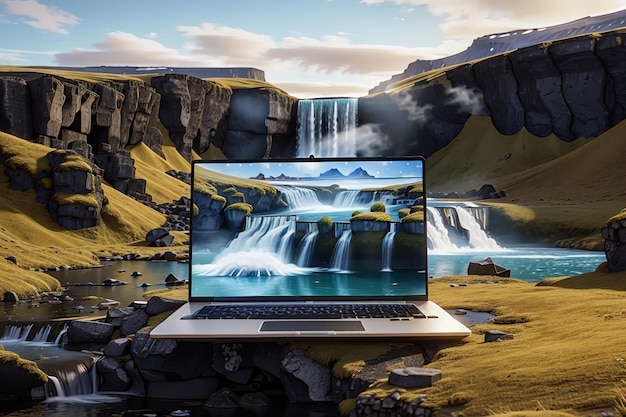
{"x": 99, "y": 119}
{"x": 572, "y": 88}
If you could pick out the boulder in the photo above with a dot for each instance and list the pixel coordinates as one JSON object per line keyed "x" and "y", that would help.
{"x": 497, "y": 336}
{"x": 414, "y": 377}
{"x": 155, "y": 234}
{"x": 132, "y": 323}
{"x": 81, "y": 332}
{"x": 117, "y": 347}
{"x": 10, "y": 297}
{"x": 487, "y": 267}
{"x": 157, "y": 305}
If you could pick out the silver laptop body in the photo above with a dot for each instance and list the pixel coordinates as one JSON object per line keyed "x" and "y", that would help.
{"x": 302, "y": 233}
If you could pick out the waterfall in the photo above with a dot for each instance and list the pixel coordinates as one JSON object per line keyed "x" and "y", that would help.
{"x": 341, "y": 252}
{"x": 476, "y": 234}
{"x": 42, "y": 334}
{"x": 305, "y": 249}
{"x": 70, "y": 377}
{"x": 298, "y": 197}
{"x": 455, "y": 228}
{"x": 327, "y": 127}
{"x": 349, "y": 198}
{"x": 359, "y": 198}
{"x": 16, "y": 333}
{"x": 263, "y": 248}
{"x": 387, "y": 257}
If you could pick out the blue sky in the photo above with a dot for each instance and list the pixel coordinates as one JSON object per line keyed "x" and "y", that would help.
{"x": 385, "y": 169}
{"x": 310, "y": 48}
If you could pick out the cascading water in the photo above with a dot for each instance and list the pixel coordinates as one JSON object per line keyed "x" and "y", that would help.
{"x": 455, "y": 228}
{"x": 387, "y": 257}
{"x": 327, "y": 127}
{"x": 264, "y": 248}
{"x": 476, "y": 234}
{"x": 298, "y": 197}
{"x": 341, "y": 252}
{"x": 305, "y": 249}
{"x": 71, "y": 374}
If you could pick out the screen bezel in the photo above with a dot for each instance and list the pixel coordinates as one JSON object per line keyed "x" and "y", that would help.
{"x": 404, "y": 297}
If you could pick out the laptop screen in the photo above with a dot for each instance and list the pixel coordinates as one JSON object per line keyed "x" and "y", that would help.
{"x": 308, "y": 229}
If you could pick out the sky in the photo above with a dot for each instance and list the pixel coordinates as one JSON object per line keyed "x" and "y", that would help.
{"x": 385, "y": 169}
{"x": 309, "y": 48}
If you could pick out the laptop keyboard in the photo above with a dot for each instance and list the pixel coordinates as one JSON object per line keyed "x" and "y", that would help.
{"x": 308, "y": 311}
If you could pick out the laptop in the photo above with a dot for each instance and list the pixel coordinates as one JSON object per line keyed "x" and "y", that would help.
{"x": 328, "y": 247}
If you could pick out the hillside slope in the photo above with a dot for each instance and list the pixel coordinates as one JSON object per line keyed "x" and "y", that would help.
{"x": 28, "y": 233}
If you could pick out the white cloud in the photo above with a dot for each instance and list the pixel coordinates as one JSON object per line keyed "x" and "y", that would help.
{"x": 40, "y": 16}
{"x": 337, "y": 54}
{"x": 234, "y": 46}
{"x": 121, "y": 48}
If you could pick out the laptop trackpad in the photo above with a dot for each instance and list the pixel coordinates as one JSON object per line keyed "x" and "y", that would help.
{"x": 312, "y": 326}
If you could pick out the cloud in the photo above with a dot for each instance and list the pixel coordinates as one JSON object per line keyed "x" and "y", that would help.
{"x": 337, "y": 54}
{"x": 125, "y": 49}
{"x": 235, "y": 46}
{"x": 40, "y": 16}
{"x": 472, "y": 19}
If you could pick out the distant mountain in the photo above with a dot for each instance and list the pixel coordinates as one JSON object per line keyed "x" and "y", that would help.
{"x": 360, "y": 173}
{"x": 332, "y": 173}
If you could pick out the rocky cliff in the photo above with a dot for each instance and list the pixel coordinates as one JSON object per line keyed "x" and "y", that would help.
{"x": 573, "y": 88}
{"x": 99, "y": 116}
{"x": 498, "y": 43}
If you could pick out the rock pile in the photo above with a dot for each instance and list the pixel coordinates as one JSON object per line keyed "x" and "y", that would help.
{"x": 133, "y": 362}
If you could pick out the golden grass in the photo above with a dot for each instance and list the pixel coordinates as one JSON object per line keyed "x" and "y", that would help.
{"x": 25, "y": 283}
{"x": 28, "y": 233}
{"x": 25, "y": 365}
{"x": 149, "y": 165}
{"x": 566, "y": 353}
{"x": 92, "y": 77}
{"x": 237, "y": 183}
{"x": 246, "y": 83}
{"x": 555, "y": 191}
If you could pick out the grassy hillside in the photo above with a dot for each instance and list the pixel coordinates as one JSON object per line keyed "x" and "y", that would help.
{"x": 28, "y": 233}
{"x": 555, "y": 191}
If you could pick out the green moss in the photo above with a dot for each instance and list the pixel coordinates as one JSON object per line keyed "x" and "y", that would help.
{"x": 402, "y": 213}
{"x": 378, "y": 207}
{"x": 374, "y": 216}
{"x": 356, "y": 213}
{"x": 325, "y": 221}
{"x": 417, "y": 216}
{"x": 416, "y": 209}
{"x": 247, "y": 208}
